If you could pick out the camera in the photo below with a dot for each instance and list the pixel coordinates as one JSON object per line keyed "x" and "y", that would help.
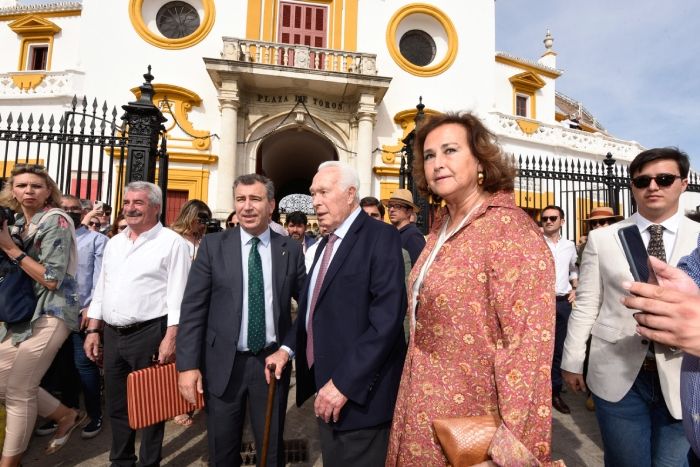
{"x": 213, "y": 226}
{"x": 6, "y": 214}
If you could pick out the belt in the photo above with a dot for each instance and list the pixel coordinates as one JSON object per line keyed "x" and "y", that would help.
{"x": 267, "y": 350}
{"x": 649, "y": 364}
{"x": 132, "y": 328}
{"x": 561, "y": 298}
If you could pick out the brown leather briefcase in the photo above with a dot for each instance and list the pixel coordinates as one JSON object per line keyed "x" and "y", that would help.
{"x": 153, "y": 396}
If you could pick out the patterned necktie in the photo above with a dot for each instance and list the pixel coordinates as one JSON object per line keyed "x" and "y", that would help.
{"x": 256, "y": 299}
{"x": 656, "y": 242}
{"x": 325, "y": 261}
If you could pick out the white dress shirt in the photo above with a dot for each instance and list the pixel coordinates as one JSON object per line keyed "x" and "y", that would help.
{"x": 565, "y": 255}
{"x": 265, "y": 251}
{"x": 141, "y": 279}
{"x": 670, "y": 226}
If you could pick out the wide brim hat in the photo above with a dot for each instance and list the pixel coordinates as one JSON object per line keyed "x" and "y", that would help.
{"x": 603, "y": 212}
{"x": 402, "y": 196}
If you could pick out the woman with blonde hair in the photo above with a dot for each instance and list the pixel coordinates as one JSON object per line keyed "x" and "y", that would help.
{"x": 481, "y": 303}
{"x": 191, "y": 223}
{"x": 42, "y": 244}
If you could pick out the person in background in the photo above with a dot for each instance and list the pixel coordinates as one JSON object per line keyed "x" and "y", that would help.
{"x": 93, "y": 224}
{"x": 48, "y": 256}
{"x": 136, "y": 308}
{"x": 295, "y": 223}
{"x": 481, "y": 301}
{"x": 634, "y": 381}
{"x": 191, "y": 224}
{"x": 373, "y": 207}
{"x": 232, "y": 220}
{"x": 105, "y": 217}
{"x": 401, "y": 207}
{"x": 118, "y": 226}
{"x": 564, "y": 254}
{"x": 90, "y": 249}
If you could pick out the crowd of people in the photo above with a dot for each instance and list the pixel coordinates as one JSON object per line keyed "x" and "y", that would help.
{"x": 489, "y": 314}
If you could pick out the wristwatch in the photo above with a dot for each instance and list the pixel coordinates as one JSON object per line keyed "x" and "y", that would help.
{"x": 19, "y": 259}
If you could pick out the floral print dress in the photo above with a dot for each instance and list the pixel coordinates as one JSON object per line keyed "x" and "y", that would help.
{"x": 481, "y": 339}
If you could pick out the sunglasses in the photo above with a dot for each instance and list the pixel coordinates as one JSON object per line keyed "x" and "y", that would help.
{"x": 232, "y": 225}
{"x": 550, "y": 218}
{"x": 396, "y": 206}
{"x": 597, "y": 222}
{"x": 31, "y": 168}
{"x": 94, "y": 224}
{"x": 662, "y": 180}
{"x": 121, "y": 227}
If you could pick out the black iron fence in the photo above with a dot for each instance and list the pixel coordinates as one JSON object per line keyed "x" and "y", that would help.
{"x": 88, "y": 150}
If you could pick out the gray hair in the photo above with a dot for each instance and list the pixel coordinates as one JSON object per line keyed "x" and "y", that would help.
{"x": 348, "y": 175}
{"x": 251, "y": 179}
{"x": 155, "y": 194}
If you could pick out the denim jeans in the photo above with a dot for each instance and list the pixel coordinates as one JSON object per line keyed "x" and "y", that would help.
{"x": 89, "y": 377}
{"x": 638, "y": 430}
{"x": 561, "y": 325}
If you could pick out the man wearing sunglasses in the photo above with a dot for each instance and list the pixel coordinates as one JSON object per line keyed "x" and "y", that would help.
{"x": 564, "y": 253}
{"x": 634, "y": 381}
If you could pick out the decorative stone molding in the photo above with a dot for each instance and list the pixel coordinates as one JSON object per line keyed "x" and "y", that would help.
{"x": 45, "y": 84}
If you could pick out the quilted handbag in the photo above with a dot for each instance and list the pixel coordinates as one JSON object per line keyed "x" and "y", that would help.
{"x": 466, "y": 440}
{"x": 153, "y": 397}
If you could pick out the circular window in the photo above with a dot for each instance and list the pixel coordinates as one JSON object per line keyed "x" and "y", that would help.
{"x": 177, "y": 19}
{"x": 417, "y": 47}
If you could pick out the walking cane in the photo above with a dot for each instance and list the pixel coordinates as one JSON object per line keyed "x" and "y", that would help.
{"x": 268, "y": 414}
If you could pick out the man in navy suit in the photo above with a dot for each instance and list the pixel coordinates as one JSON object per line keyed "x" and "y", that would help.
{"x": 348, "y": 338}
{"x": 235, "y": 312}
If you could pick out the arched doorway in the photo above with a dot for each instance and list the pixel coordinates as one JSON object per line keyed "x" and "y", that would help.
{"x": 290, "y": 159}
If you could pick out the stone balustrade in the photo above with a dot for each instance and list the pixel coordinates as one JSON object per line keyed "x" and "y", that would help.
{"x": 299, "y": 56}
{"x": 40, "y": 84}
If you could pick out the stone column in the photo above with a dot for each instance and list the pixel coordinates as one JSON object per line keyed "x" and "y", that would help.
{"x": 225, "y": 174}
{"x": 366, "y": 111}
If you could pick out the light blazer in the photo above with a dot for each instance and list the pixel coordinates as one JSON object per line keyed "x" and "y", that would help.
{"x": 617, "y": 353}
{"x": 358, "y": 325}
{"x": 210, "y": 317}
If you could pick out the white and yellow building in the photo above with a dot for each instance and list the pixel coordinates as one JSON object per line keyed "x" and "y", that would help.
{"x": 278, "y": 86}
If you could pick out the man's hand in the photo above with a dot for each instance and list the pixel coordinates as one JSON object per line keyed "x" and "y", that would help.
{"x": 190, "y": 383}
{"x": 574, "y": 380}
{"x": 329, "y": 402}
{"x": 280, "y": 359}
{"x": 671, "y": 313}
{"x": 92, "y": 346}
{"x": 572, "y": 296}
{"x": 166, "y": 351}
{"x": 84, "y": 320}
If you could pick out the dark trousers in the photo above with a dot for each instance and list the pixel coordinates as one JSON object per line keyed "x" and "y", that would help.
{"x": 562, "y": 321}
{"x": 366, "y": 446}
{"x": 246, "y": 390}
{"x": 122, "y": 355}
{"x": 89, "y": 376}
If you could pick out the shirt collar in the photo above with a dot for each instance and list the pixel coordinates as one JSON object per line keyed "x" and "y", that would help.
{"x": 670, "y": 224}
{"x": 342, "y": 231}
{"x": 264, "y": 237}
{"x": 147, "y": 235}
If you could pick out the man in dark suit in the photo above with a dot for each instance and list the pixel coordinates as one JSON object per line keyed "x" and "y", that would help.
{"x": 348, "y": 337}
{"x": 235, "y": 312}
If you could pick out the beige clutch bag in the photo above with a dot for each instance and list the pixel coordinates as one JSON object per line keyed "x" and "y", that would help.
{"x": 466, "y": 440}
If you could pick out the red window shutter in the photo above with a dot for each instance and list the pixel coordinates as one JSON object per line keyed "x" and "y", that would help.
{"x": 302, "y": 24}
{"x": 176, "y": 199}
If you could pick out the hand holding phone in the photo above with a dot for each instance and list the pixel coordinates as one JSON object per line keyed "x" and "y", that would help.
{"x": 636, "y": 254}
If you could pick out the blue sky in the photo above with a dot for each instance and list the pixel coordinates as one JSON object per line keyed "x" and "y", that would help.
{"x": 635, "y": 65}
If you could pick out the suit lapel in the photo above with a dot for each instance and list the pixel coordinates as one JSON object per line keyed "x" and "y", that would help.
{"x": 280, "y": 258}
{"x": 344, "y": 250}
{"x": 234, "y": 267}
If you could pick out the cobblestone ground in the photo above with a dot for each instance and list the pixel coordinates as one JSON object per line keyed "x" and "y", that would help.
{"x": 576, "y": 440}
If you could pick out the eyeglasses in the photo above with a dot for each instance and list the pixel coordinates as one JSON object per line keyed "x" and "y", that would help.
{"x": 121, "y": 227}
{"x": 597, "y": 222}
{"x": 549, "y": 218}
{"x": 94, "y": 224}
{"x": 31, "y": 168}
{"x": 232, "y": 225}
{"x": 662, "y": 180}
{"x": 396, "y": 206}
{"x": 75, "y": 209}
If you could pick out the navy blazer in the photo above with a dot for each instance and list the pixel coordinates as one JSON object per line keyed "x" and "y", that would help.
{"x": 210, "y": 316}
{"x": 358, "y": 325}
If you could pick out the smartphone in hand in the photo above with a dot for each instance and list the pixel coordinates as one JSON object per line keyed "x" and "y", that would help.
{"x": 636, "y": 254}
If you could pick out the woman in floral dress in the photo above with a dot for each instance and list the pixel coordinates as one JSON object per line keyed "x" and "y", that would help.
{"x": 481, "y": 305}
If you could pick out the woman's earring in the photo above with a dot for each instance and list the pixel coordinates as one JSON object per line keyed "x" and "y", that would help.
{"x": 480, "y": 178}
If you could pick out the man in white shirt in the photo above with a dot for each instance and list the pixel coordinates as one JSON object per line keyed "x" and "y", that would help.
{"x": 137, "y": 305}
{"x": 635, "y": 382}
{"x": 564, "y": 252}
